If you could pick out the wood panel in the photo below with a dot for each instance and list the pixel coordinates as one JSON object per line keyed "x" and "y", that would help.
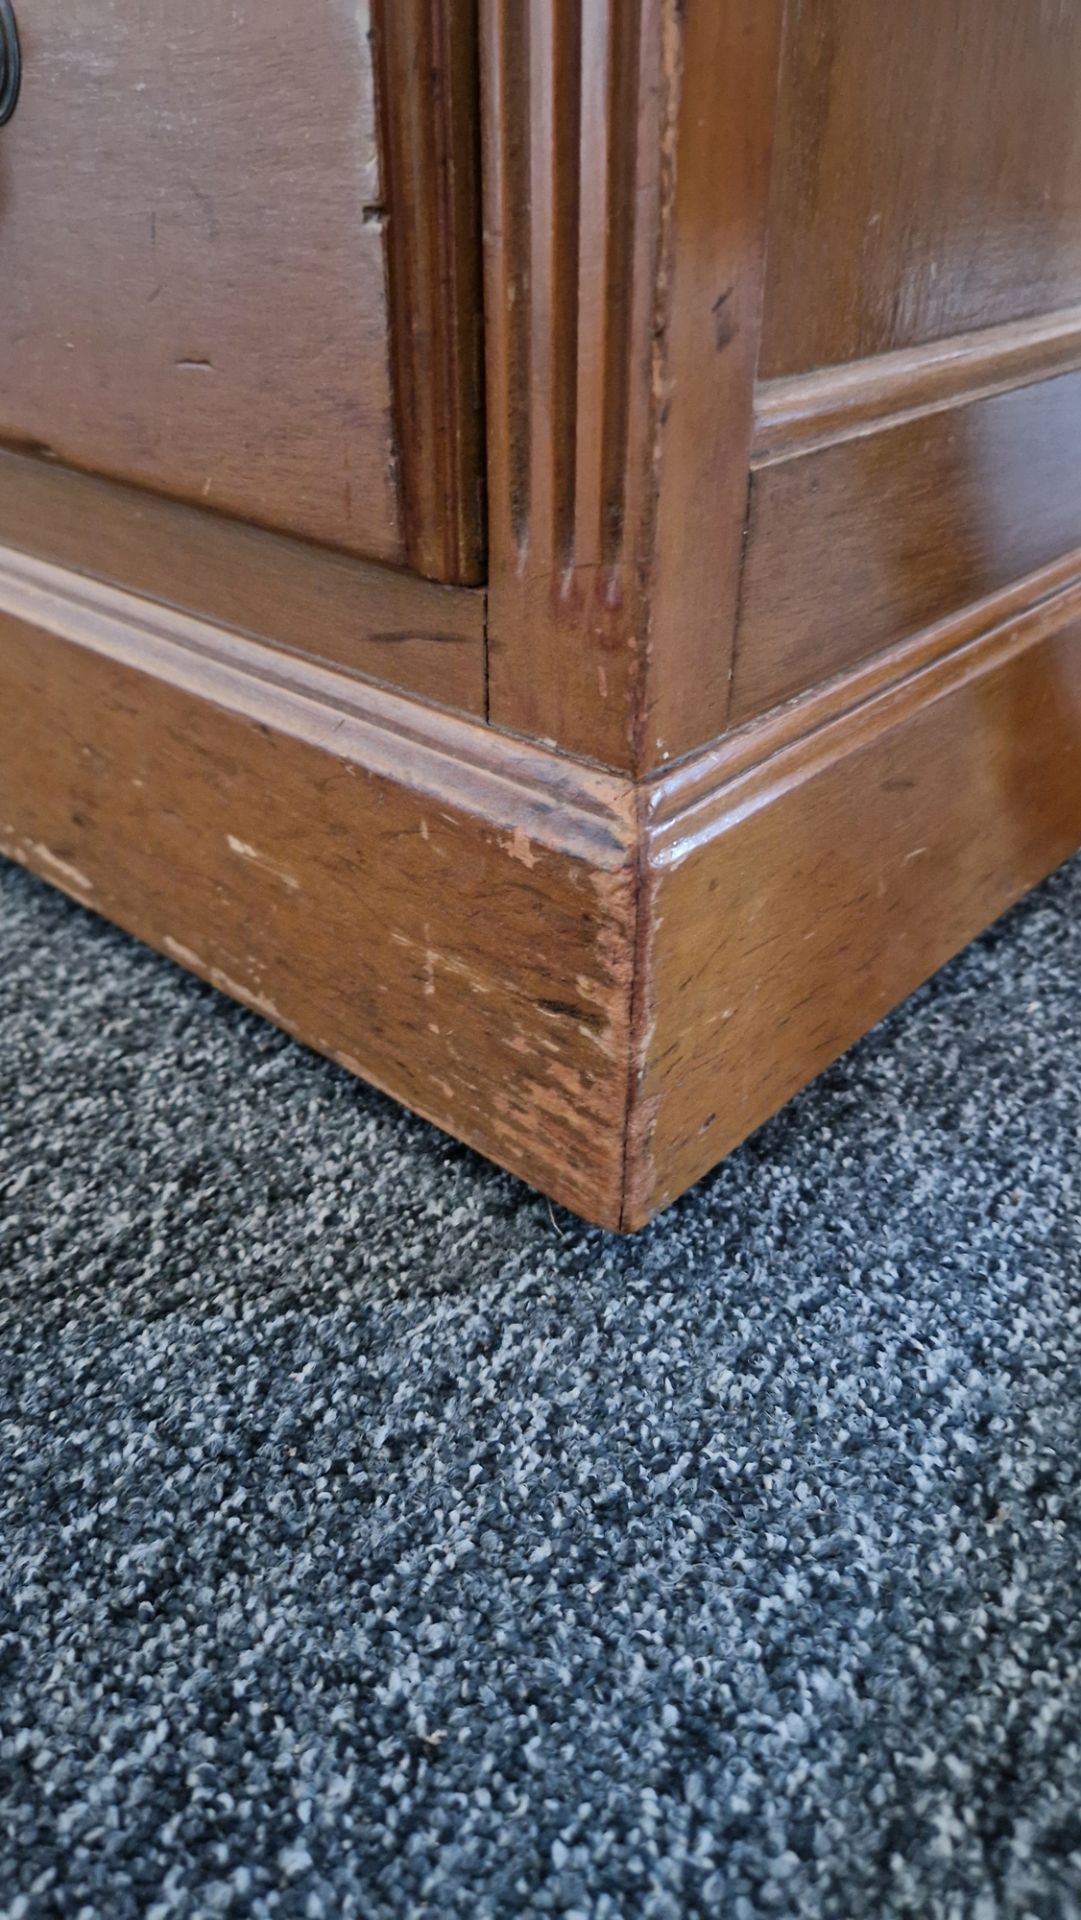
{"x": 446, "y": 913}
{"x": 789, "y": 905}
{"x": 197, "y": 236}
{"x": 428, "y": 66}
{"x": 928, "y": 174}
{"x": 626, "y": 170}
{"x": 411, "y": 633}
{"x": 868, "y": 540}
{"x": 194, "y": 277}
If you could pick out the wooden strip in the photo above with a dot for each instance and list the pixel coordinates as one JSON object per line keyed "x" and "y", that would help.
{"x": 451, "y": 760}
{"x": 448, "y": 915}
{"x": 691, "y": 806}
{"x": 508, "y": 225}
{"x": 705, "y": 366}
{"x": 810, "y": 410}
{"x": 427, "y": 64}
{"x": 390, "y": 626}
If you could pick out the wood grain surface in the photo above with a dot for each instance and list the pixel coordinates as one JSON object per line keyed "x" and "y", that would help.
{"x": 193, "y": 260}
{"x": 445, "y": 913}
{"x": 602, "y": 984}
{"x": 429, "y": 110}
{"x": 789, "y": 907}
{"x": 574, "y": 107}
{"x": 716, "y": 262}
{"x": 853, "y": 547}
{"x": 198, "y": 233}
{"x": 626, "y": 169}
{"x": 928, "y": 174}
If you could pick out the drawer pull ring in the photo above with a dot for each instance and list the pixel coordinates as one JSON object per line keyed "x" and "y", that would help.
{"x": 10, "y": 66}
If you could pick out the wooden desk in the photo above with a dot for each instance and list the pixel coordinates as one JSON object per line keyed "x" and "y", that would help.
{"x": 540, "y": 541}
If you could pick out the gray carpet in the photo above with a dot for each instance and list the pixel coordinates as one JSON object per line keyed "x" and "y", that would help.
{"x": 377, "y": 1542}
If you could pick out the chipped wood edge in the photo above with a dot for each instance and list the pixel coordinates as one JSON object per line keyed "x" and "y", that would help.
{"x": 561, "y": 803}
{"x": 597, "y": 851}
{"x": 445, "y": 911}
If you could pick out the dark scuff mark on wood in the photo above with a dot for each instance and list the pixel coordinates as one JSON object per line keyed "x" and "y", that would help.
{"x": 725, "y": 328}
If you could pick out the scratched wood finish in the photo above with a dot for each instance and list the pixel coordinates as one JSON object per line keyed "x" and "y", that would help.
{"x": 193, "y": 260}
{"x": 603, "y": 984}
{"x": 855, "y": 546}
{"x": 800, "y": 648}
{"x": 427, "y": 60}
{"x": 927, "y": 175}
{"x": 444, "y": 913}
{"x": 426, "y": 638}
{"x": 194, "y": 270}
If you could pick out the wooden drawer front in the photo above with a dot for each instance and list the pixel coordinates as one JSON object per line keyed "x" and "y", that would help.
{"x": 192, "y": 274}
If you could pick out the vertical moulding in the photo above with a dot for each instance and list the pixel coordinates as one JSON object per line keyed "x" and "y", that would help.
{"x": 427, "y": 64}
{"x": 572, "y": 115}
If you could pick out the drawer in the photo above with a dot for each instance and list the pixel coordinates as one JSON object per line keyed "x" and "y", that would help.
{"x": 196, "y": 290}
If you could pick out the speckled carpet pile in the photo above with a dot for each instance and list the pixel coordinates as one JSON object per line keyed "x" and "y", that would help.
{"x": 375, "y": 1542}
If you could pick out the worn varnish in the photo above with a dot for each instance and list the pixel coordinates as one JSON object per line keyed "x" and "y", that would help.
{"x": 445, "y": 914}
{"x": 573, "y": 603}
{"x": 193, "y": 274}
{"x": 196, "y": 265}
{"x": 602, "y": 985}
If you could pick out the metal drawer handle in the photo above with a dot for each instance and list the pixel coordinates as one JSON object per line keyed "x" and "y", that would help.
{"x": 10, "y": 66}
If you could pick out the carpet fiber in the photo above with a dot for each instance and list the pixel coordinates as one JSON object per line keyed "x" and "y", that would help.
{"x": 376, "y": 1541}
